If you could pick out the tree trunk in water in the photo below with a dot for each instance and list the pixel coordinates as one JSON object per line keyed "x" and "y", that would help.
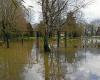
{"x": 58, "y": 39}
{"x": 46, "y": 44}
{"x": 37, "y": 39}
{"x": 7, "y": 40}
{"x": 65, "y": 39}
{"x": 5, "y": 35}
{"x": 22, "y": 39}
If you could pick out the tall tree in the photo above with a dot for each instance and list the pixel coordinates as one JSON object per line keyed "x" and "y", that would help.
{"x": 51, "y": 9}
{"x": 55, "y": 14}
{"x": 9, "y": 12}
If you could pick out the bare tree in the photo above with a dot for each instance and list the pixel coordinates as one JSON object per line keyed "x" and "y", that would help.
{"x": 8, "y": 9}
{"x": 55, "y": 14}
{"x": 51, "y": 9}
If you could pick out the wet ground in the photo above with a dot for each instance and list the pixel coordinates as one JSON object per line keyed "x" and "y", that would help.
{"x": 26, "y": 62}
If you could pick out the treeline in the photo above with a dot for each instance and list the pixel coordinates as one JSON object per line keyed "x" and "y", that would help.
{"x": 12, "y": 19}
{"x": 71, "y": 27}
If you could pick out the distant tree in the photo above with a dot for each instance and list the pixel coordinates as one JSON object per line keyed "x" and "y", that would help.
{"x": 10, "y": 10}
{"x": 41, "y": 28}
{"x": 30, "y": 29}
{"x": 72, "y": 26}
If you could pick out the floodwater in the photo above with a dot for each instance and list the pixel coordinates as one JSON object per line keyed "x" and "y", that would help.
{"x": 26, "y": 62}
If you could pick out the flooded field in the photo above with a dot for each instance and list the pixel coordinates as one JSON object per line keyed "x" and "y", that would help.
{"x": 26, "y": 62}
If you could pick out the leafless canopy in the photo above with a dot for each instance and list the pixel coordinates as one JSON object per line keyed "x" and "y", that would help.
{"x": 8, "y": 9}
{"x": 55, "y": 11}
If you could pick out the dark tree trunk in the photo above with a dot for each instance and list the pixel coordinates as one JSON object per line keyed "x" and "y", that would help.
{"x": 37, "y": 39}
{"x": 7, "y": 40}
{"x": 65, "y": 39}
{"x": 5, "y": 35}
{"x": 58, "y": 39}
{"x": 46, "y": 44}
{"x": 22, "y": 39}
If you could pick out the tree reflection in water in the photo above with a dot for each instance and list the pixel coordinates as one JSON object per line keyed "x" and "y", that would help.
{"x": 13, "y": 60}
{"x": 31, "y": 63}
{"x": 51, "y": 66}
{"x": 59, "y": 63}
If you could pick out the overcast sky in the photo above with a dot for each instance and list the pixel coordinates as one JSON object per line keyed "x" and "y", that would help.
{"x": 34, "y": 11}
{"x": 91, "y": 12}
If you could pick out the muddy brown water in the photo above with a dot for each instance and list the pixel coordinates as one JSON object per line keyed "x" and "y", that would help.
{"x": 26, "y": 62}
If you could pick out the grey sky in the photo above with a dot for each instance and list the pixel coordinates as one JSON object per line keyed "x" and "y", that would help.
{"x": 91, "y": 12}
{"x": 36, "y": 10}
